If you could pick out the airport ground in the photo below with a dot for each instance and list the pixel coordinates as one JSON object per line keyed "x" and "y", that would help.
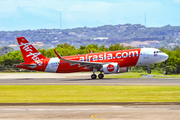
{"x": 98, "y": 112}
{"x": 149, "y": 111}
{"x": 79, "y": 79}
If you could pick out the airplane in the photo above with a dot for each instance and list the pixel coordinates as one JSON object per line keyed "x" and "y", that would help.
{"x": 105, "y": 62}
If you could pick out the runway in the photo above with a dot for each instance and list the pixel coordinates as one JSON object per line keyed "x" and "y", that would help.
{"x": 168, "y": 112}
{"x": 78, "y": 79}
{"x": 75, "y": 111}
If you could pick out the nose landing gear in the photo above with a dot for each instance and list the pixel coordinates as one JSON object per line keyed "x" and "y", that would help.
{"x": 148, "y": 71}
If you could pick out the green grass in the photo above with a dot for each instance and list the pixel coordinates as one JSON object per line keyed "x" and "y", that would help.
{"x": 139, "y": 75}
{"x": 77, "y": 93}
{"x": 124, "y": 75}
{"x": 174, "y": 76}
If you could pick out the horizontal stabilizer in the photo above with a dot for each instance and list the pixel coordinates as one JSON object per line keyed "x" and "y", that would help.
{"x": 27, "y": 65}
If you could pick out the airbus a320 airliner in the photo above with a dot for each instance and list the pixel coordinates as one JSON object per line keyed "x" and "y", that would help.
{"x": 105, "y": 62}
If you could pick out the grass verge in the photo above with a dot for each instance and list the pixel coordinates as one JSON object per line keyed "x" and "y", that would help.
{"x": 139, "y": 75}
{"x": 76, "y": 93}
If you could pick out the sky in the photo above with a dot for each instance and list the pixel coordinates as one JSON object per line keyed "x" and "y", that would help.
{"x": 45, "y": 14}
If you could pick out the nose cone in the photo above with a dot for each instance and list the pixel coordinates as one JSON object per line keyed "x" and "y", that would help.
{"x": 164, "y": 56}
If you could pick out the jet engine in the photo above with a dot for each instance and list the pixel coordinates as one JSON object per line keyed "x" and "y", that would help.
{"x": 111, "y": 68}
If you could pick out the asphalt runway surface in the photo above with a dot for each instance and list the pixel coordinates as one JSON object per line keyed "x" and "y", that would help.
{"x": 86, "y": 112}
{"x": 88, "y": 81}
{"x": 168, "y": 112}
{"x": 78, "y": 79}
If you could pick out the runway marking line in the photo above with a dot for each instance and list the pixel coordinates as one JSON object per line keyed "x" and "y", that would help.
{"x": 93, "y": 116}
{"x": 96, "y": 117}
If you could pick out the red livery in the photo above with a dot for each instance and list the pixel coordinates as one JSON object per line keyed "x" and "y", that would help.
{"x": 107, "y": 62}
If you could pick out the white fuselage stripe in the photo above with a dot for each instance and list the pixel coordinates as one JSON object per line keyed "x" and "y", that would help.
{"x": 52, "y": 65}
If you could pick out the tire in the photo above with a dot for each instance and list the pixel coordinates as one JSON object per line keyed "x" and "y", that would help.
{"x": 101, "y": 76}
{"x": 149, "y": 72}
{"x": 93, "y": 76}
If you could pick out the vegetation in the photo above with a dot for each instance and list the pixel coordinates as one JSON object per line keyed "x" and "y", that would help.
{"x": 130, "y": 75}
{"x": 15, "y": 57}
{"x": 77, "y": 93}
{"x": 155, "y": 74}
{"x": 171, "y": 66}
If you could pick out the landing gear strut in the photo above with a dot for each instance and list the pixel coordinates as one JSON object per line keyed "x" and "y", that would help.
{"x": 148, "y": 71}
{"x": 94, "y": 76}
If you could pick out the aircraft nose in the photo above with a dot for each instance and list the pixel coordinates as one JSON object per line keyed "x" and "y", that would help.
{"x": 165, "y": 56}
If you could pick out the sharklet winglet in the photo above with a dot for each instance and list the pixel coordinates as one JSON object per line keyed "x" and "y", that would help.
{"x": 58, "y": 55}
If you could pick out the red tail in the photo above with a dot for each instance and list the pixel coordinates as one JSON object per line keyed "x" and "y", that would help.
{"x": 29, "y": 52}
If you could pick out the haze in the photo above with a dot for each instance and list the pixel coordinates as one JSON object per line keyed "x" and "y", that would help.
{"x": 40, "y": 14}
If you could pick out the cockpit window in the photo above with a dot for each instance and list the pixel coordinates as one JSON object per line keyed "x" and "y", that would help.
{"x": 157, "y": 52}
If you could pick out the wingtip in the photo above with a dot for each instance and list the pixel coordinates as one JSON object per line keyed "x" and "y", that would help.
{"x": 90, "y": 51}
{"x": 58, "y": 55}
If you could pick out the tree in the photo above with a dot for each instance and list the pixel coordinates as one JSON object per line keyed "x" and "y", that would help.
{"x": 116, "y": 47}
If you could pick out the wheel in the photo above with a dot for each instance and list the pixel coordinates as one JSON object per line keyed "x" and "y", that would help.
{"x": 149, "y": 72}
{"x": 100, "y": 76}
{"x": 93, "y": 76}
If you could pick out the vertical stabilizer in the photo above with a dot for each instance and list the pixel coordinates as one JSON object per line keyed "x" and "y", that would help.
{"x": 29, "y": 52}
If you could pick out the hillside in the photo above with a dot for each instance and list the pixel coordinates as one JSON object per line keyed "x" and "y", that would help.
{"x": 103, "y": 35}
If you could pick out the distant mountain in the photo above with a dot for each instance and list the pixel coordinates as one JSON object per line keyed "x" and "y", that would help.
{"x": 102, "y": 35}
{"x": 5, "y": 50}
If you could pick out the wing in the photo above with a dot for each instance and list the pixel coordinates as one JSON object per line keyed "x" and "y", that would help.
{"x": 97, "y": 65}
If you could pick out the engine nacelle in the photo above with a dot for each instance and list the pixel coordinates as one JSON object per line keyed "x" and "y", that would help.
{"x": 111, "y": 68}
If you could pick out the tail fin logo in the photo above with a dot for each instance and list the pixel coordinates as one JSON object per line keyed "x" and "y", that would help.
{"x": 34, "y": 56}
{"x": 27, "y": 49}
{"x": 26, "y": 46}
{"x": 30, "y": 53}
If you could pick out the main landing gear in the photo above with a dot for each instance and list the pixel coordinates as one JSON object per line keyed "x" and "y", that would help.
{"x": 148, "y": 71}
{"x": 100, "y": 76}
{"x": 94, "y": 76}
